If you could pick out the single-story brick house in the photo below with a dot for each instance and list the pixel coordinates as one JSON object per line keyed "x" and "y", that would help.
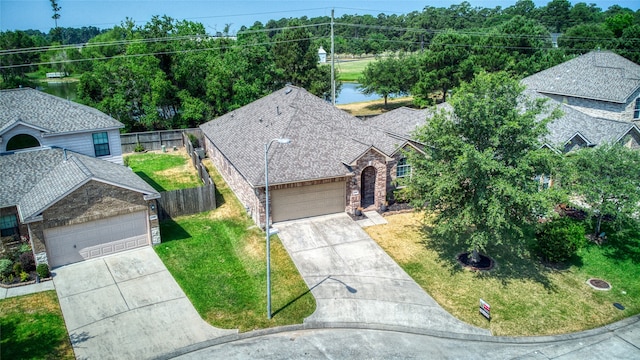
{"x": 73, "y": 207}
{"x": 601, "y": 84}
{"x": 334, "y": 163}
{"x": 32, "y": 118}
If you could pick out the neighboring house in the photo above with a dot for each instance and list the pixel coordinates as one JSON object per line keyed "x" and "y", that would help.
{"x": 31, "y": 118}
{"x": 601, "y": 84}
{"x": 73, "y": 207}
{"x": 334, "y": 163}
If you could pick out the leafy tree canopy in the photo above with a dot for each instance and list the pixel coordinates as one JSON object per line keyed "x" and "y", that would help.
{"x": 481, "y": 159}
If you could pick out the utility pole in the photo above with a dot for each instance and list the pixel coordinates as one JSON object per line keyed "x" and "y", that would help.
{"x": 333, "y": 65}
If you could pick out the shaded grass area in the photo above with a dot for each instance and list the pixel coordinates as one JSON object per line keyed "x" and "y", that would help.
{"x": 526, "y": 297}
{"x": 32, "y": 327}
{"x": 351, "y": 70}
{"x": 164, "y": 171}
{"x": 219, "y": 260}
{"x": 376, "y": 107}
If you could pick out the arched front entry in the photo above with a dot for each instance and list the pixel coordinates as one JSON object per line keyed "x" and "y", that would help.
{"x": 22, "y": 141}
{"x": 368, "y": 186}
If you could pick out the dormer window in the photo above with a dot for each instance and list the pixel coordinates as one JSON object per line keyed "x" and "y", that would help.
{"x": 636, "y": 109}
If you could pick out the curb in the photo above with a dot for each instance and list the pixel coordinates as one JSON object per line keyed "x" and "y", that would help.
{"x": 403, "y": 329}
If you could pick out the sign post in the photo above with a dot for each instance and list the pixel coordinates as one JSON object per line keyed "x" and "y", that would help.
{"x": 485, "y": 309}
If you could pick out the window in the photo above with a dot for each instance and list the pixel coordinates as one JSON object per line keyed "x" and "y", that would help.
{"x": 403, "y": 169}
{"x": 636, "y": 109}
{"x": 544, "y": 181}
{"x": 8, "y": 225}
{"x": 101, "y": 144}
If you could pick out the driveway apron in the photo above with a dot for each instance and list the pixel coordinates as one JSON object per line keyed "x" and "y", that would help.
{"x": 127, "y": 306}
{"x": 355, "y": 281}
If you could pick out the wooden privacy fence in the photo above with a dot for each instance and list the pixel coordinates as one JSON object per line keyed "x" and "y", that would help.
{"x": 187, "y": 201}
{"x": 154, "y": 140}
{"x": 193, "y": 200}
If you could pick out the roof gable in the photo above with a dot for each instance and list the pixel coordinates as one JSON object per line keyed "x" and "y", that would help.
{"x": 36, "y": 179}
{"x": 50, "y": 113}
{"x": 598, "y": 75}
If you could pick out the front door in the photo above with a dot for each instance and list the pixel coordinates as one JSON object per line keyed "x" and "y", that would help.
{"x": 368, "y": 186}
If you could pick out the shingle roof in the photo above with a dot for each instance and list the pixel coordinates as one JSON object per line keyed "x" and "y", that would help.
{"x": 36, "y": 179}
{"x": 50, "y": 113}
{"x": 598, "y": 75}
{"x": 403, "y": 121}
{"x": 594, "y": 130}
{"x": 324, "y": 138}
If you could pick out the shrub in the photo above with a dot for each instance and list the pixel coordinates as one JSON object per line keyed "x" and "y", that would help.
{"x": 560, "y": 239}
{"x": 17, "y": 268}
{"x": 24, "y": 276}
{"x": 27, "y": 261}
{"x": 24, "y": 248}
{"x": 43, "y": 270}
{"x": 194, "y": 140}
{"x": 6, "y": 267}
{"x": 125, "y": 161}
{"x": 138, "y": 148}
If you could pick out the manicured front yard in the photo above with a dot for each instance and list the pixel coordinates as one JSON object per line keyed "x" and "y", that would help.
{"x": 526, "y": 297}
{"x": 32, "y": 327}
{"x": 219, "y": 260}
{"x": 164, "y": 171}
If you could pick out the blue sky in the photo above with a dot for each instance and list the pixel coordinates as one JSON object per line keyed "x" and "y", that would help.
{"x": 214, "y": 14}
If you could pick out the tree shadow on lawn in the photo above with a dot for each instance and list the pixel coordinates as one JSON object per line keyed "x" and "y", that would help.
{"x": 624, "y": 243}
{"x": 508, "y": 264}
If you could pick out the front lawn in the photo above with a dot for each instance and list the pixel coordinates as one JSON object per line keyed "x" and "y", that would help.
{"x": 32, "y": 327}
{"x": 526, "y": 297}
{"x": 164, "y": 171}
{"x": 219, "y": 260}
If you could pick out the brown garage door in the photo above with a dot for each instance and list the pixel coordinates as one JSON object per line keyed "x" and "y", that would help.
{"x": 73, "y": 243}
{"x": 305, "y": 201}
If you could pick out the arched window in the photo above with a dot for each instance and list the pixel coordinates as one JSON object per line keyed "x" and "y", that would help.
{"x": 22, "y": 141}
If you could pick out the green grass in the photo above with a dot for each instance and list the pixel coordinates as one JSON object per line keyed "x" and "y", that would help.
{"x": 527, "y": 298}
{"x": 219, "y": 260}
{"x": 164, "y": 171}
{"x": 351, "y": 70}
{"x": 32, "y": 327}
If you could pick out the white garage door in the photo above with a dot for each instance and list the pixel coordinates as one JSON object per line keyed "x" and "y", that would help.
{"x": 305, "y": 201}
{"x": 73, "y": 243}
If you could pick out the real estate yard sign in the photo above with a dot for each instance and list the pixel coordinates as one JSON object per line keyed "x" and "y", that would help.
{"x": 485, "y": 309}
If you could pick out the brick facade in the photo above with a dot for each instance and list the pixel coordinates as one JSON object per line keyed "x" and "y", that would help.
{"x": 92, "y": 201}
{"x": 252, "y": 200}
{"x": 376, "y": 176}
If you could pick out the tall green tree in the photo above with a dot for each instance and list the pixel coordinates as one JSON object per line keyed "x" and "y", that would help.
{"x": 605, "y": 182}
{"x": 444, "y": 66}
{"x": 387, "y": 76}
{"x": 482, "y": 157}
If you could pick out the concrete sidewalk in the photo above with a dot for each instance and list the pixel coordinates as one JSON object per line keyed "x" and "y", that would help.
{"x": 127, "y": 306}
{"x": 26, "y": 289}
{"x": 354, "y": 281}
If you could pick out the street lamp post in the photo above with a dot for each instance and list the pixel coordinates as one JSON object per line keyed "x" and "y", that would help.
{"x": 266, "y": 226}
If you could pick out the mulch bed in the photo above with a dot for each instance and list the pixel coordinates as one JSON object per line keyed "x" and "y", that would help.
{"x": 485, "y": 263}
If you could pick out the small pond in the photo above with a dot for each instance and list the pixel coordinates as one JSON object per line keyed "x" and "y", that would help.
{"x": 350, "y": 93}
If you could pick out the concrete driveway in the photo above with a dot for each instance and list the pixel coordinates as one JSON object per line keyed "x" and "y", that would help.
{"x": 355, "y": 281}
{"x": 127, "y": 306}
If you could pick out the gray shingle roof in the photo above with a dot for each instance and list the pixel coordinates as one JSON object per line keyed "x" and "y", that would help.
{"x": 598, "y": 75}
{"x": 36, "y": 179}
{"x": 594, "y": 130}
{"x": 324, "y": 138}
{"x": 50, "y": 113}
{"x": 404, "y": 121}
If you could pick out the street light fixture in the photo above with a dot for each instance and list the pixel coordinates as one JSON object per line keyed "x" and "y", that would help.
{"x": 267, "y": 227}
